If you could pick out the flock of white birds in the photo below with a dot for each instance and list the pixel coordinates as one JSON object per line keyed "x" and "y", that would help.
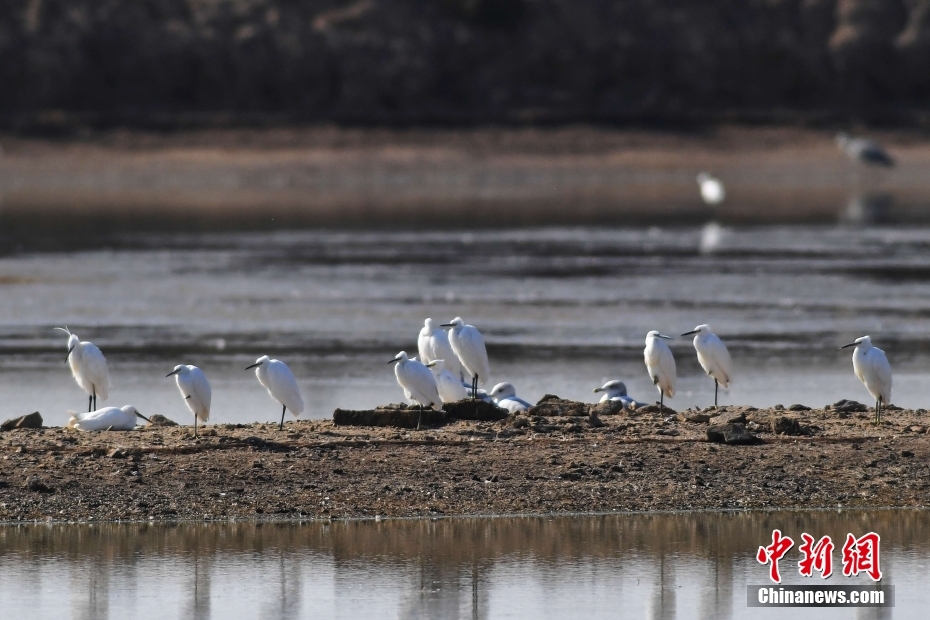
{"x": 453, "y": 365}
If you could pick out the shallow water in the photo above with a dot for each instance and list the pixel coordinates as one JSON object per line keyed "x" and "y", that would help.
{"x": 562, "y": 309}
{"x": 644, "y": 566}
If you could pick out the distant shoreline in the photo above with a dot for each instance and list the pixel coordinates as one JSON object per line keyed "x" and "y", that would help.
{"x": 540, "y": 465}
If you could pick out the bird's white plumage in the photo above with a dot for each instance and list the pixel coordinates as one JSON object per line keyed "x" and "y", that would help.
{"x": 505, "y": 396}
{"x": 450, "y": 386}
{"x": 615, "y": 390}
{"x": 468, "y": 345}
{"x": 107, "y": 418}
{"x": 433, "y": 344}
{"x": 88, "y": 366}
{"x": 280, "y": 383}
{"x": 417, "y": 380}
{"x": 660, "y": 363}
{"x": 195, "y": 390}
{"x": 713, "y": 355}
{"x": 872, "y": 368}
{"x": 712, "y": 191}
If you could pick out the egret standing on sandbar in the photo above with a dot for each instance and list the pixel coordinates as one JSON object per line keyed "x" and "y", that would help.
{"x": 281, "y": 385}
{"x": 872, "y": 368}
{"x": 713, "y": 356}
{"x": 450, "y": 386}
{"x": 106, "y": 419}
{"x": 712, "y": 192}
{"x": 660, "y": 363}
{"x": 418, "y": 383}
{"x": 468, "y": 345}
{"x": 88, "y": 367}
{"x": 195, "y": 389}
{"x": 433, "y": 344}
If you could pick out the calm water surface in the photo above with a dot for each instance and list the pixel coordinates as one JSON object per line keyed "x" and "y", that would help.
{"x": 562, "y": 309}
{"x": 620, "y": 566}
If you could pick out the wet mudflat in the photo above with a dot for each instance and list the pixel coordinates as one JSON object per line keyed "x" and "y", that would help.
{"x": 532, "y": 464}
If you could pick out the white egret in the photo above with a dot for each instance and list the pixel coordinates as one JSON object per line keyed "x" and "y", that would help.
{"x": 615, "y": 390}
{"x": 872, "y": 368}
{"x": 864, "y": 151}
{"x": 88, "y": 367}
{"x": 450, "y": 387}
{"x": 660, "y": 363}
{"x": 433, "y": 344}
{"x": 713, "y": 356}
{"x": 418, "y": 383}
{"x": 281, "y": 385}
{"x": 195, "y": 389}
{"x": 468, "y": 345}
{"x": 505, "y": 397}
{"x": 106, "y": 419}
{"x": 712, "y": 191}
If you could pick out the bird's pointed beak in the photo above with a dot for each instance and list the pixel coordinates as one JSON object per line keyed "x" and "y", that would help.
{"x": 396, "y": 359}
{"x": 691, "y": 333}
{"x": 447, "y": 325}
{"x": 597, "y": 389}
{"x": 143, "y": 417}
{"x": 846, "y": 346}
{"x": 70, "y": 349}
{"x": 664, "y": 336}
{"x": 253, "y": 366}
{"x": 173, "y": 372}
{"x": 431, "y": 364}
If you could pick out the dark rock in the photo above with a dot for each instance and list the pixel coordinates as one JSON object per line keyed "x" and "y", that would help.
{"x": 731, "y": 434}
{"x": 788, "y": 425}
{"x": 550, "y": 405}
{"x": 117, "y": 453}
{"x": 475, "y": 410}
{"x": 160, "y": 420}
{"x": 33, "y": 420}
{"x": 37, "y": 485}
{"x": 664, "y": 410}
{"x": 595, "y": 421}
{"x": 906, "y": 453}
{"x": 397, "y": 418}
{"x": 798, "y": 407}
{"x": 608, "y": 407}
{"x": 695, "y": 417}
{"x": 848, "y": 406}
{"x": 730, "y": 417}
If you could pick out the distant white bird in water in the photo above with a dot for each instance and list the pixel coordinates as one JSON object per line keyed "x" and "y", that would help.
{"x": 450, "y": 386}
{"x": 713, "y": 356}
{"x": 418, "y": 383}
{"x": 712, "y": 191}
{"x": 505, "y": 396}
{"x": 106, "y": 419}
{"x": 872, "y": 368}
{"x": 433, "y": 344}
{"x": 660, "y": 364}
{"x": 195, "y": 390}
{"x": 712, "y": 236}
{"x": 615, "y": 390}
{"x": 88, "y": 367}
{"x": 468, "y": 345}
{"x": 281, "y": 385}
{"x": 864, "y": 151}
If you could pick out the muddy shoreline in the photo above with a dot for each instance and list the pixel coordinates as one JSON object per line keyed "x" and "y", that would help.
{"x": 625, "y": 462}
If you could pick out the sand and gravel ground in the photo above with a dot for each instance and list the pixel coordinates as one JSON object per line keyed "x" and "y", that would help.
{"x": 631, "y": 461}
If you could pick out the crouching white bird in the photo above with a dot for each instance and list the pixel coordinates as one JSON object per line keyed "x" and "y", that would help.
{"x": 281, "y": 385}
{"x": 660, "y": 363}
{"x": 195, "y": 390}
{"x": 433, "y": 344}
{"x": 106, "y": 419}
{"x": 88, "y": 367}
{"x": 418, "y": 383}
{"x": 468, "y": 345}
{"x": 872, "y": 368}
{"x": 505, "y": 397}
{"x": 615, "y": 390}
{"x": 712, "y": 191}
{"x": 450, "y": 386}
{"x": 713, "y": 356}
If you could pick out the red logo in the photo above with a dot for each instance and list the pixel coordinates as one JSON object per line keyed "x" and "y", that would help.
{"x": 774, "y": 552}
{"x": 860, "y": 555}
{"x": 819, "y": 556}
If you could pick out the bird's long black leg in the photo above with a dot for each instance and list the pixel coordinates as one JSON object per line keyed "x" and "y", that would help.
{"x": 661, "y": 401}
{"x": 474, "y": 387}
{"x": 281, "y": 425}
{"x": 90, "y": 402}
{"x": 95, "y": 399}
{"x": 195, "y": 425}
{"x": 420, "y": 417}
{"x": 716, "y": 385}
